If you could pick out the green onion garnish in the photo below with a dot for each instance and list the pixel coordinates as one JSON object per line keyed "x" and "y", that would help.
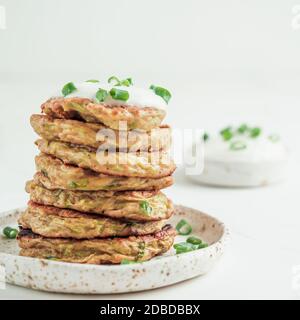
{"x": 194, "y": 240}
{"x": 237, "y": 145}
{"x": 119, "y": 94}
{"x": 255, "y": 132}
{"x": 202, "y": 245}
{"x": 205, "y": 136}
{"x": 162, "y": 92}
{"x": 274, "y": 137}
{"x": 126, "y": 261}
{"x": 183, "y": 228}
{"x": 242, "y": 129}
{"x": 68, "y": 89}
{"x": 126, "y": 82}
{"x": 145, "y": 207}
{"x": 113, "y": 78}
{"x": 226, "y": 133}
{"x": 10, "y": 233}
{"x": 183, "y": 247}
{"x": 72, "y": 184}
{"x": 92, "y": 81}
{"x": 191, "y": 244}
{"x": 101, "y": 95}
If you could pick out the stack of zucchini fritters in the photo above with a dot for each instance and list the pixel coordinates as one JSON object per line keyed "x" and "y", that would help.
{"x": 85, "y": 210}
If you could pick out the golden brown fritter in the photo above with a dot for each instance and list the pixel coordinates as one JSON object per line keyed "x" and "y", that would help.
{"x": 143, "y": 165}
{"x": 95, "y": 135}
{"x": 97, "y": 251}
{"x": 54, "y": 174}
{"x": 145, "y": 118}
{"x": 52, "y": 222}
{"x": 129, "y": 205}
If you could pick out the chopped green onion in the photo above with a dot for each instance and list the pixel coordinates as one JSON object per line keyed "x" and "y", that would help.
{"x": 183, "y": 228}
{"x": 13, "y": 234}
{"x": 226, "y": 133}
{"x": 242, "y": 129}
{"x": 141, "y": 253}
{"x": 82, "y": 183}
{"x": 126, "y": 82}
{"x": 162, "y": 92}
{"x": 10, "y": 233}
{"x": 274, "y": 137}
{"x": 237, "y": 145}
{"x": 118, "y": 94}
{"x": 68, "y": 89}
{"x": 73, "y": 185}
{"x": 183, "y": 247}
{"x": 145, "y": 207}
{"x": 205, "y": 136}
{"x": 92, "y": 81}
{"x": 255, "y": 132}
{"x": 191, "y": 244}
{"x": 194, "y": 240}
{"x": 126, "y": 261}
{"x": 113, "y": 78}
{"x": 202, "y": 245}
{"x": 101, "y": 95}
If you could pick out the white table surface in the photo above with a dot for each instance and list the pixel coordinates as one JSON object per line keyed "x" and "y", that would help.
{"x": 264, "y": 222}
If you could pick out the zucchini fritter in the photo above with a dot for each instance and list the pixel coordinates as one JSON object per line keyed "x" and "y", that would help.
{"x": 54, "y": 174}
{"x": 145, "y": 164}
{"x": 97, "y": 251}
{"x": 85, "y": 109}
{"x": 52, "y": 222}
{"x": 129, "y": 205}
{"x": 95, "y": 135}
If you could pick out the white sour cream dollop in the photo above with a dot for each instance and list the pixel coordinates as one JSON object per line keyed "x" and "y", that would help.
{"x": 138, "y": 97}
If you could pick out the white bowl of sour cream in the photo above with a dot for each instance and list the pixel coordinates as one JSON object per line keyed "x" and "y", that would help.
{"x": 243, "y": 157}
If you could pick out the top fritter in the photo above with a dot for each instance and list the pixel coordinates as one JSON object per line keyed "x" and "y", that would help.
{"x": 109, "y": 103}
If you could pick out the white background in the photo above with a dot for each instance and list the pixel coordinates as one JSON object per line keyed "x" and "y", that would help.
{"x": 224, "y": 62}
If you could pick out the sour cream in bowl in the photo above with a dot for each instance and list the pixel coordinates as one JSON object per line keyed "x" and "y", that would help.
{"x": 243, "y": 156}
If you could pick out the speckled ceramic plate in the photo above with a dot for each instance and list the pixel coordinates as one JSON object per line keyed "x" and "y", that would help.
{"x": 78, "y": 278}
